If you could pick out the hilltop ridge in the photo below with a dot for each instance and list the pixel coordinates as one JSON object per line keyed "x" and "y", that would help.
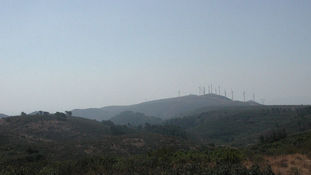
{"x": 3, "y": 115}
{"x": 163, "y": 108}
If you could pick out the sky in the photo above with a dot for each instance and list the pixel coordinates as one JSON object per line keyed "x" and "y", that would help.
{"x": 61, "y": 55}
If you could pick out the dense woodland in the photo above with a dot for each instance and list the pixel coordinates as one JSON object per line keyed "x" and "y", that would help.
{"x": 259, "y": 140}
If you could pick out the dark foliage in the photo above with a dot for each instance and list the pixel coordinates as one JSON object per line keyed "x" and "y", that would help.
{"x": 56, "y": 144}
{"x": 168, "y": 130}
{"x": 273, "y": 136}
{"x": 222, "y": 161}
{"x": 243, "y": 125}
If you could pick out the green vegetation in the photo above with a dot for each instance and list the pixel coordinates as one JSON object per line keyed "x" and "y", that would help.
{"x": 44, "y": 143}
{"x": 219, "y": 161}
{"x": 244, "y": 125}
{"x": 297, "y": 143}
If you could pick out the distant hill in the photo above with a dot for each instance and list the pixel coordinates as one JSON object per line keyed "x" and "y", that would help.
{"x": 243, "y": 125}
{"x": 3, "y": 115}
{"x": 134, "y": 119}
{"x": 163, "y": 108}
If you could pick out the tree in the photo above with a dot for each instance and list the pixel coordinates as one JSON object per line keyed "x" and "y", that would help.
{"x": 68, "y": 113}
{"x": 60, "y": 115}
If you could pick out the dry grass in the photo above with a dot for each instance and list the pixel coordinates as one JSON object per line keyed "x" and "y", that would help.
{"x": 137, "y": 142}
{"x": 291, "y": 164}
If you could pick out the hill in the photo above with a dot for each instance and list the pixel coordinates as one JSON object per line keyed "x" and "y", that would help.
{"x": 62, "y": 144}
{"x": 134, "y": 119}
{"x": 3, "y": 115}
{"x": 243, "y": 125}
{"x": 58, "y": 136}
{"x": 163, "y": 108}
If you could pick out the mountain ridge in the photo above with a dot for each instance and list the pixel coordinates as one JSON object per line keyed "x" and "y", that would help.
{"x": 162, "y": 108}
{"x": 3, "y": 115}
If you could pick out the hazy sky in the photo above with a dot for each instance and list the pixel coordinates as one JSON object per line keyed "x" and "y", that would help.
{"x": 58, "y": 55}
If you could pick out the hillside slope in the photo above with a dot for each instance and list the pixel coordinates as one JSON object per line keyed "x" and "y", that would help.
{"x": 287, "y": 156}
{"x": 134, "y": 119}
{"x": 3, "y": 115}
{"x": 164, "y": 108}
{"x": 60, "y": 144}
{"x": 69, "y": 136}
{"x": 244, "y": 125}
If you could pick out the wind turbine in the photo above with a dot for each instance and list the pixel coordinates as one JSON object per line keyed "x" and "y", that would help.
{"x": 219, "y": 90}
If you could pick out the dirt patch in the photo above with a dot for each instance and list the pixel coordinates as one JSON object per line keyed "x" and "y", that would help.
{"x": 48, "y": 126}
{"x": 291, "y": 164}
{"x": 137, "y": 142}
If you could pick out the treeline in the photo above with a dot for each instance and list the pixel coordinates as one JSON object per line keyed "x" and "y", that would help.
{"x": 166, "y": 129}
{"x": 44, "y": 113}
{"x": 40, "y": 115}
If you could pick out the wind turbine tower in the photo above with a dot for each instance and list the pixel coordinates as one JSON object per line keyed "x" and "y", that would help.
{"x": 244, "y": 93}
{"x": 219, "y": 90}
